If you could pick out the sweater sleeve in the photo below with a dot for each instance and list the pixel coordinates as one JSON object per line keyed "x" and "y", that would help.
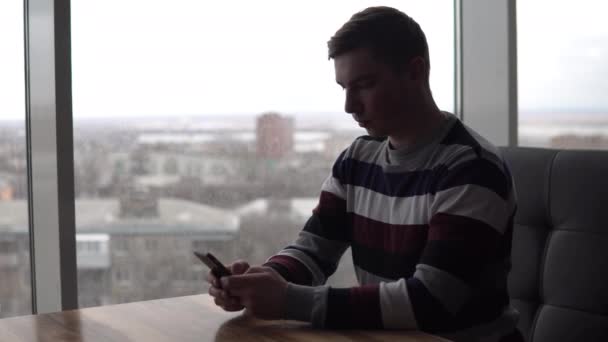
{"x": 316, "y": 252}
{"x": 460, "y": 279}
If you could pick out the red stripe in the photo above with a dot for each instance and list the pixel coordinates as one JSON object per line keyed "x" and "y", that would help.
{"x": 330, "y": 205}
{"x": 298, "y": 273}
{"x": 365, "y": 307}
{"x": 391, "y": 238}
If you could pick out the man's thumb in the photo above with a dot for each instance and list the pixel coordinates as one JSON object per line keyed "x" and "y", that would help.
{"x": 240, "y": 267}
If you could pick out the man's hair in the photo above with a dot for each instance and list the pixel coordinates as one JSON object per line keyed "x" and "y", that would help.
{"x": 392, "y": 36}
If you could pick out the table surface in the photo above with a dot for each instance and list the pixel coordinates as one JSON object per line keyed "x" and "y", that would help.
{"x": 191, "y": 318}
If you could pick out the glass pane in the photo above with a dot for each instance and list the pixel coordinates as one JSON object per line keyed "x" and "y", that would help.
{"x": 208, "y": 126}
{"x": 563, "y": 69}
{"x": 15, "y": 284}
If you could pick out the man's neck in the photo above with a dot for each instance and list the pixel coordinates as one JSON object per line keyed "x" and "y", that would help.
{"x": 425, "y": 125}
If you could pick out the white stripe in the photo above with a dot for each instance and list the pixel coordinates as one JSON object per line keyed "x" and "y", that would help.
{"x": 476, "y": 202}
{"x": 388, "y": 209}
{"x": 395, "y": 305}
{"x": 448, "y": 289}
{"x": 333, "y": 185}
{"x": 328, "y": 250}
{"x": 318, "y": 278}
{"x": 367, "y": 278}
{"x": 468, "y": 200}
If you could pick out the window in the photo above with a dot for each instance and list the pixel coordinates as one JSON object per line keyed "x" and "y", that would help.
{"x": 562, "y": 67}
{"x": 242, "y": 91}
{"x": 15, "y": 299}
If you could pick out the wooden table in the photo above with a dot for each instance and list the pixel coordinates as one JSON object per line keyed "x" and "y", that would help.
{"x": 192, "y": 318}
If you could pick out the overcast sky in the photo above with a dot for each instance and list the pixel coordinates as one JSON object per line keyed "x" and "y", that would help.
{"x": 188, "y": 57}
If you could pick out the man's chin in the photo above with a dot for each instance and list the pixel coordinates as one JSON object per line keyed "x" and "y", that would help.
{"x": 375, "y": 134}
{"x": 372, "y": 133}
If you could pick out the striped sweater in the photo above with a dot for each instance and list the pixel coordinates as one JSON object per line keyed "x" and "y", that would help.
{"x": 430, "y": 231}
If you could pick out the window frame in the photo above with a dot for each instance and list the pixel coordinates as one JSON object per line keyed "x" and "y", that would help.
{"x": 482, "y": 29}
{"x": 50, "y": 162}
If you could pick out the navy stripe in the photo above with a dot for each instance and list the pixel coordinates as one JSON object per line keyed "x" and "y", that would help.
{"x": 459, "y": 135}
{"x": 433, "y": 317}
{"x": 383, "y": 264}
{"x": 337, "y": 308}
{"x": 478, "y": 171}
{"x": 329, "y": 227}
{"x": 457, "y": 258}
{"x": 291, "y": 269}
{"x": 356, "y": 307}
{"x": 430, "y": 314}
{"x": 338, "y": 170}
{"x": 484, "y": 307}
{"x": 504, "y": 250}
{"x": 461, "y": 245}
{"x": 326, "y": 267}
{"x": 402, "y": 184}
{"x": 507, "y": 171}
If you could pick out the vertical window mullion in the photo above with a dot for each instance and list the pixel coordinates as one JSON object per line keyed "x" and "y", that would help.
{"x": 50, "y": 155}
{"x": 487, "y": 68}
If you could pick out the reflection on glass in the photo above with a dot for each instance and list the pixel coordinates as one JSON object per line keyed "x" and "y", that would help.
{"x": 207, "y": 126}
{"x": 562, "y": 68}
{"x": 15, "y": 284}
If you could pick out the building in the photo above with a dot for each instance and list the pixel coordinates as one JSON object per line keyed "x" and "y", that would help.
{"x": 127, "y": 249}
{"x": 274, "y": 136}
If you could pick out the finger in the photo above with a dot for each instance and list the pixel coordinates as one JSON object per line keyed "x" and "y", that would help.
{"x": 219, "y": 301}
{"x": 228, "y": 305}
{"x": 239, "y": 267}
{"x": 233, "y": 307}
{"x": 213, "y": 291}
{"x": 255, "y": 269}
{"x": 233, "y": 304}
{"x": 241, "y": 284}
{"x": 211, "y": 279}
{"x": 217, "y": 293}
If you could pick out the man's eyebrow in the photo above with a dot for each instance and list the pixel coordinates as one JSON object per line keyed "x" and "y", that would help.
{"x": 360, "y": 78}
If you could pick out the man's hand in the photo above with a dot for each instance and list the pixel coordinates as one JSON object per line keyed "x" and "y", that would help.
{"x": 261, "y": 290}
{"x": 221, "y": 297}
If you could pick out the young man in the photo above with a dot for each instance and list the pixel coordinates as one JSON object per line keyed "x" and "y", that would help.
{"x": 424, "y": 202}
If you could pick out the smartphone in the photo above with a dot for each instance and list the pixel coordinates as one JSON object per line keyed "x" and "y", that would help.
{"x": 217, "y": 268}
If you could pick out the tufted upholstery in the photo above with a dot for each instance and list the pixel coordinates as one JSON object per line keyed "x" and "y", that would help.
{"x": 559, "y": 278}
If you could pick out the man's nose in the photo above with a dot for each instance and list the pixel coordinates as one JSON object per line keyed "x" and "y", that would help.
{"x": 352, "y": 104}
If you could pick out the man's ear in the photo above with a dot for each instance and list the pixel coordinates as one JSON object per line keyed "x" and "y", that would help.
{"x": 417, "y": 69}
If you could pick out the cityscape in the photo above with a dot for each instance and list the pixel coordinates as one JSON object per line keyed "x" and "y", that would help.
{"x": 149, "y": 192}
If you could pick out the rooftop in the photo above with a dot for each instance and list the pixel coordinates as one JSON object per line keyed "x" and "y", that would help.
{"x": 101, "y": 216}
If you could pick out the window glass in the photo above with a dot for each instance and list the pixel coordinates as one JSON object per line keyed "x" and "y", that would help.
{"x": 15, "y": 275}
{"x": 563, "y": 74}
{"x": 210, "y": 126}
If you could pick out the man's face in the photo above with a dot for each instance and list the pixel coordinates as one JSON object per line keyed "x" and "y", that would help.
{"x": 377, "y": 95}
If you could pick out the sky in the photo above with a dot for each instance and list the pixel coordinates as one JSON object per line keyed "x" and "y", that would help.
{"x": 152, "y": 58}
